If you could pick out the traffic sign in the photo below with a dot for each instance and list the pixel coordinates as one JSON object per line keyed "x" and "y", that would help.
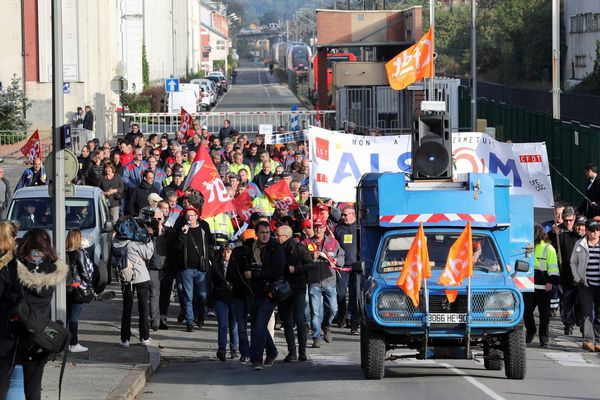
{"x": 172, "y": 84}
{"x": 66, "y": 87}
{"x": 119, "y": 84}
{"x": 71, "y": 165}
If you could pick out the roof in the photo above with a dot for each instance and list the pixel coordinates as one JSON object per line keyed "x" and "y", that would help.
{"x": 42, "y": 191}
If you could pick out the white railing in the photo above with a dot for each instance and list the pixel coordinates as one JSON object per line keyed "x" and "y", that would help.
{"x": 243, "y": 121}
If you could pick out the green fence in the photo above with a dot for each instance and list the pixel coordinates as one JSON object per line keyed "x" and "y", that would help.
{"x": 570, "y": 145}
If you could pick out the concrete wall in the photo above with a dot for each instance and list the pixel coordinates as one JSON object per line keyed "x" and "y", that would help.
{"x": 12, "y": 58}
{"x": 582, "y": 27}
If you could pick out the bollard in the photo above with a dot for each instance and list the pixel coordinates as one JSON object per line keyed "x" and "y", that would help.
{"x": 16, "y": 390}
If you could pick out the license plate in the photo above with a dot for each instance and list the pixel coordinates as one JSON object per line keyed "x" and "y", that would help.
{"x": 448, "y": 318}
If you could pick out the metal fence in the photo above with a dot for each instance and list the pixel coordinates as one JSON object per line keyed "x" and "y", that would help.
{"x": 391, "y": 111}
{"x": 570, "y": 144}
{"x": 244, "y": 122}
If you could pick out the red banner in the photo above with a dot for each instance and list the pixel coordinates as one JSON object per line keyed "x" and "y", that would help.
{"x": 281, "y": 196}
{"x": 243, "y": 205}
{"x": 33, "y": 148}
{"x": 205, "y": 178}
{"x": 185, "y": 123}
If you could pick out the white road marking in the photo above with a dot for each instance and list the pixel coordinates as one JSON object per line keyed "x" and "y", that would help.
{"x": 571, "y": 360}
{"x": 473, "y": 382}
{"x": 331, "y": 359}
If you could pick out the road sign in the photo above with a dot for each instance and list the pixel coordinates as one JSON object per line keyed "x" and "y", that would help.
{"x": 294, "y": 120}
{"x": 172, "y": 85}
{"x": 70, "y": 162}
{"x": 119, "y": 84}
{"x": 66, "y": 137}
{"x": 66, "y": 87}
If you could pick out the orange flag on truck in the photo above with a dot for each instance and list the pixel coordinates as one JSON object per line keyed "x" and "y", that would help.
{"x": 416, "y": 267}
{"x": 459, "y": 264}
{"x": 412, "y": 65}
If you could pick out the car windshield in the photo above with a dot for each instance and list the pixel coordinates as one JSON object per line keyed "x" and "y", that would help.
{"x": 37, "y": 213}
{"x": 393, "y": 256}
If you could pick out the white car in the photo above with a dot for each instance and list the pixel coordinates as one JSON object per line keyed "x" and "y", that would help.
{"x": 209, "y": 91}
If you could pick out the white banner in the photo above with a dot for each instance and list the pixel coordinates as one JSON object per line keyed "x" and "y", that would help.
{"x": 339, "y": 160}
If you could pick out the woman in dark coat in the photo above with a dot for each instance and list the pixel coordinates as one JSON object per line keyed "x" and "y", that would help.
{"x": 33, "y": 272}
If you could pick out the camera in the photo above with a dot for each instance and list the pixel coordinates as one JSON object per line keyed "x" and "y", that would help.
{"x": 148, "y": 221}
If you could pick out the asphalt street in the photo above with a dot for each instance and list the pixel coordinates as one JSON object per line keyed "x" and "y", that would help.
{"x": 190, "y": 370}
{"x": 255, "y": 89}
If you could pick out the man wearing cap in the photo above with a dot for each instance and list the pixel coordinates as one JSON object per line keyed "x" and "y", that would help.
{"x": 196, "y": 251}
{"x": 176, "y": 184}
{"x": 327, "y": 255}
{"x": 546, "y": 274}
{"x": 569, "y": 309}
{"x": 139, "y": 197}
{"x": 585, "y": 266}
{"x": 153, "y": 200}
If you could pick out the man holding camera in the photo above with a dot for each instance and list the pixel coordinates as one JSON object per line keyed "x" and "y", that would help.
{"x": 196, "y": 250}
{"x": 161, "y": 273}
{"x": 268, "y": 262}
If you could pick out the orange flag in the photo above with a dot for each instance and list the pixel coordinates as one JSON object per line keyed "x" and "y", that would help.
{"x": 459, "y": 264}
{"x": 416, "y": 267}
{"x": 413, "y": 64}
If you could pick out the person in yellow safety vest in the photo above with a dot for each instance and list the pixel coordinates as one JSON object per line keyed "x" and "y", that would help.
{"x": 263, "y": 204}
{"x": 264, "y": 156}
{"x": 546, "y": 275}
{"x": 238, "y": 164}
{"x": 221, "y": 228}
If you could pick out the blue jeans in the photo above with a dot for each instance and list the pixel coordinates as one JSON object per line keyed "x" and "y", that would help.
{"x": 73, "y": 313}
{"x": 323, "y": 303}
{"x": 224, "y": 309}
{"x": 261, "y": 338}
{"x": 193, "y": 283}
{"x": 240, "y": 308}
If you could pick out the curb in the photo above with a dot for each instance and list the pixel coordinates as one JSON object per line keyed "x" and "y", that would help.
{"x": 135, "y": 381}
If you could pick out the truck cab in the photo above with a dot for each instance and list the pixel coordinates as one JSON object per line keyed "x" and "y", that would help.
{"x": 488, "y": 311}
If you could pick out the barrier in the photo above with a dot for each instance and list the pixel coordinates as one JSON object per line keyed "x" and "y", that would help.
{"x": 244, "y": 121}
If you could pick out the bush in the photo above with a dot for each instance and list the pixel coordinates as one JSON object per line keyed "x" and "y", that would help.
{"x": 13, "y": 107}
{"x": 138, "y": 103}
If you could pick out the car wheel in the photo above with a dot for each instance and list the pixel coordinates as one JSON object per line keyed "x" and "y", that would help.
{"x": 515, "y": 357}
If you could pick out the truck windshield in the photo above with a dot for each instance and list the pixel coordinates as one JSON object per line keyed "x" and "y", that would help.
{"x": 37, "y": 213}
{"x": 485, "y": 256}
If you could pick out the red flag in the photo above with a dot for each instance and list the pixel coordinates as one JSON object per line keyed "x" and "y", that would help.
{"x": 204, "y": 177}
{"x": 33, "y": 148}
{"x": 185, "y": 124}
{"x": 243, "y": 205}
{"x": 459, "y": 264}
{"x": 416, "y": 267}
{"x": 281, "y": 196}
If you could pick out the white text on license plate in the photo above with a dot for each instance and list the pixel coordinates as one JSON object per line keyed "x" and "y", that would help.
{"x": 448, "y": 318}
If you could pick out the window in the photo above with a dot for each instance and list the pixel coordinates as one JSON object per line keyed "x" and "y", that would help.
{"x": 580, "y": 61}
{"x": 220, "y": 44}
{"x": 485, "y": 256}
{"x": 80, "y": 213}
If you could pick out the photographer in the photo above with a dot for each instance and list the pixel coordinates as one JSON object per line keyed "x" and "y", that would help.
{"x": 161, "y": 273}
{"x": 195, "y": 247}
{"x": 138, "y": 251}
{"x": 268, "y": 265}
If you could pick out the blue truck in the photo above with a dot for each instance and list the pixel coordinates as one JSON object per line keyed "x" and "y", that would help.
{"x": 487, "y": 314}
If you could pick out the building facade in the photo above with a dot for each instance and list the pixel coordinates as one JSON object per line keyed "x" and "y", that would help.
{"x": 582, "y": 30}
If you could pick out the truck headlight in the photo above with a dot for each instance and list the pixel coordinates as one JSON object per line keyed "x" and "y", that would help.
{"x": 499, "y": 305}
{"x": 392, "y": 305}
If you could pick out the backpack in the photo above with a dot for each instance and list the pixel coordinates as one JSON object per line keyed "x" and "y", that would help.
{"x": 120, "y": 262}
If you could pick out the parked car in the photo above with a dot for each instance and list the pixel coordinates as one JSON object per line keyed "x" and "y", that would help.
{"x": 86, "y": 209}
{"x": 222, "y": 79}
{"x": 217, "y": 82}
{"x": 209, "y": 89}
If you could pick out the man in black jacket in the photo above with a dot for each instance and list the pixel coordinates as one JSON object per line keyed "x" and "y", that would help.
{"x": 345, "y": 234}
{"x": 590, "y": 207}
{"x": 268, "y": 265}
{"x": 88, "y": 119}
{"x": 139, "y": 197}
{"x": 161, "y": 274}
{"x": 292, "y": 310}
{"x": 569, "y": 309}
{"x": 264, "y": 176}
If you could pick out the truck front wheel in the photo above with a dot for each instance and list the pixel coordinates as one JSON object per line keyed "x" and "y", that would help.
{"x": 374, "y": 354}
{"x": 515, "y": 354}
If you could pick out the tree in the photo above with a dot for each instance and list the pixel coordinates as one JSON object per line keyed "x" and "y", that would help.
{"x": 145, "y": 68}
{"x": 269, "y": 17}
{"x": 13, "y": 107}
